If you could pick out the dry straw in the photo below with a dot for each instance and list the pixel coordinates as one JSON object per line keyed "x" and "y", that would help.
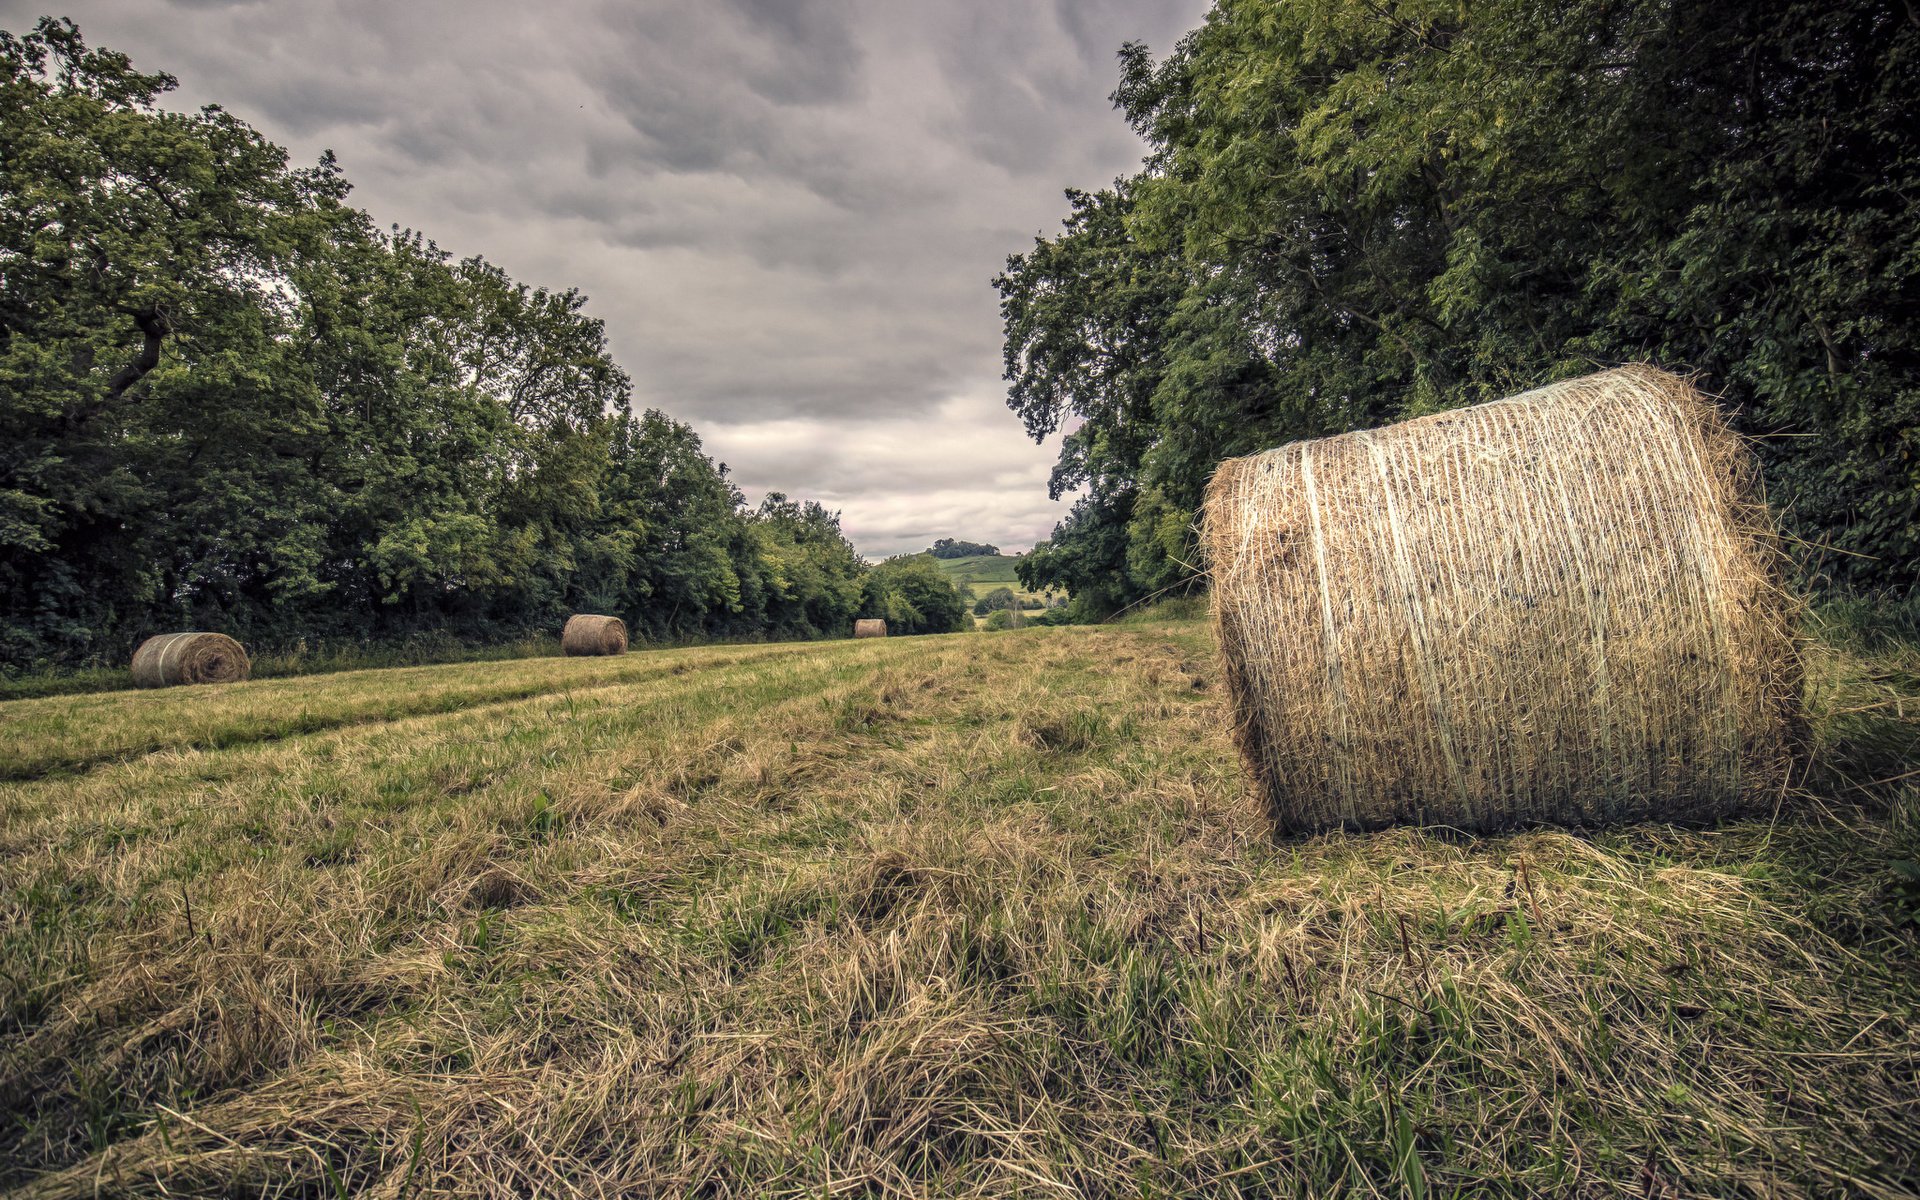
{"x": 590, "y": 635}
{"x": 1560, "y": 607}
{"x": 173, "y": 658}
{"x": 869, "y": 627}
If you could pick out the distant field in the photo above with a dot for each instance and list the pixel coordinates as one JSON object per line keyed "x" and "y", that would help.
{"x": 983, "y": 568}
{"x": 966, "y": 915}
{"x": 985, "y": 572}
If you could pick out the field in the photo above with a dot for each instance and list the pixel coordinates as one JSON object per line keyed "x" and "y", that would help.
{"x": 964, "y": 915}
{"x": 993, "y": 569}
{"x": 985, "y": 572}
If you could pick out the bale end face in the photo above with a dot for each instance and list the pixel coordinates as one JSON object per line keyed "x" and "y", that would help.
{"x": 1564, "y": 607}
{"x": 592, "y": 635}
{"x": 172, "y": 659}
{"x": 869, "y": 627}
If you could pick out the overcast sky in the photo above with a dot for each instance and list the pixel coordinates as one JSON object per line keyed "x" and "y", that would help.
{"x": 787, "y": 212}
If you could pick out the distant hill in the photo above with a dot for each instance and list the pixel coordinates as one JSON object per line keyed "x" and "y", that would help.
{"x": 994, "y": 569}
{"x": 985, "y": 572}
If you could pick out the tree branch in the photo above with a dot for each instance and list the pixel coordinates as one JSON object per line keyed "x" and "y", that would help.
{"x": 155, "y": 328}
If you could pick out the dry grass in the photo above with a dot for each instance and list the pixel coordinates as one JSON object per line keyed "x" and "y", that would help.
{"x": 960, "y": 916}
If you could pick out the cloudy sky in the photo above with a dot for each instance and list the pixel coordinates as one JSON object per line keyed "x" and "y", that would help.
{"x": 786, "y": 211}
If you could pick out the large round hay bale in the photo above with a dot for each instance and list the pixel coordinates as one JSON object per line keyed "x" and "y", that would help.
{"x": 167, "y": 659}
{"x": 588, "y": 634}
{"x": 1561, "y": 607}
{"x": 869, "y": 627}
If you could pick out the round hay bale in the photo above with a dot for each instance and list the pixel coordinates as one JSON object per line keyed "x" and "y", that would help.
{"x": 1562, "y": 607}
{"x": 167, "y": 659}
{"x": 587, "y": 634}
{"x": 869, "y": 627}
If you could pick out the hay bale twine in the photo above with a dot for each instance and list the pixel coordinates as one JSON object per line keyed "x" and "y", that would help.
{"x": 589, "y": 634}
{"x": 167, "y": 659}
{"x": 869, "y": 627}
{"x": 1564, "y": 607}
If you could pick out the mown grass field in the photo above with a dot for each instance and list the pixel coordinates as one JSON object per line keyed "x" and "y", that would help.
{"x": 968, "y": 915}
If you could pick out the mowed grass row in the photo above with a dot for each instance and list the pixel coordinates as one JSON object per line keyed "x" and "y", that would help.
{"x": 971, "y": 915}
{"x": 75, "y": 732}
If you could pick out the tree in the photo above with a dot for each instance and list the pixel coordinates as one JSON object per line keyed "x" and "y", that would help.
{"x": 814, "y": 580}
{"x": 913, "y": 596}
{"x": 1353, "y": 213}
{"x": 158, "y": 410}
{"x": 949, "y": 548}
{"x": 997, "y": 599}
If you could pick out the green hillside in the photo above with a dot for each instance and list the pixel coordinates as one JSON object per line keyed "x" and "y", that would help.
{"x": 992, "y": 569}
{"x": 985, "y": 572}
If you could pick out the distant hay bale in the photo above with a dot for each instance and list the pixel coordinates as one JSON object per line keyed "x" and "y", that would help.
{"x": 869, "y": 627}
{"x": 168, "y": 659}
{"x": 1561, "y": 607}
{"x": 588, "y": 634}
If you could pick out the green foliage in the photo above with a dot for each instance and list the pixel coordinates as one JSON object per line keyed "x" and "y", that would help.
{"x": 1354, "y": 213}
{"x": 913, "y": 596}
{"x": 999, "y": 599}
{"x": 949, "y": 548}
{"x": 1087, "y": 555}
{"x": 1173, "y": 608}
{"x": 228, "y": 400}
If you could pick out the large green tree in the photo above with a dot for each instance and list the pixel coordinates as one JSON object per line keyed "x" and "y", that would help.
{"x": 1356, "y": 211}
{"x": 913, "y": 595}
{"x": 148, "y": 378}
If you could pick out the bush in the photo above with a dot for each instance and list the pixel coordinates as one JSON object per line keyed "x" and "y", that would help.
{"x": 998, "y": 598}
{"x": 912, "y": 595}
{"x": 1173, "y": 608}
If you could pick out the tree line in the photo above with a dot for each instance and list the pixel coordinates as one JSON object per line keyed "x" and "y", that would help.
{"x": 229, "y": 400}
{"x": 1357, "y": 212}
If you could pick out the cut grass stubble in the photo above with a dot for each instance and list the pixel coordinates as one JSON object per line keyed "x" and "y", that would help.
{"x": 974, "y": 916}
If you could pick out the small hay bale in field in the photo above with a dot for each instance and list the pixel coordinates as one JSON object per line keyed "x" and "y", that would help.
{"x": 869, "y": 627}
{"x": 167, "y": 659}
{"x": 587, "y": 634}
{"x": 1561, "y": 607}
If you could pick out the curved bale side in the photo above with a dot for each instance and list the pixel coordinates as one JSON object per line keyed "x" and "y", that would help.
{"x": 1562, "y": 607}
{"x": 170, "y": 659}
{"x": 867, "y": 627}
{"x": 592, "y": 635}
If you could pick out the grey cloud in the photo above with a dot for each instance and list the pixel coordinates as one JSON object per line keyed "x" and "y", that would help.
{"x": 814, "y": 57}
{"x": 787, "y": 211}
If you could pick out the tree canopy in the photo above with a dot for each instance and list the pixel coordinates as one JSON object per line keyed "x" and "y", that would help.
{"x": 998, "y": 598}
{"x": 913, "y": 595}
{"x": 1354, "y": 212}
{"x": 229, "y": 400}
{"x": 950, "y": 548}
